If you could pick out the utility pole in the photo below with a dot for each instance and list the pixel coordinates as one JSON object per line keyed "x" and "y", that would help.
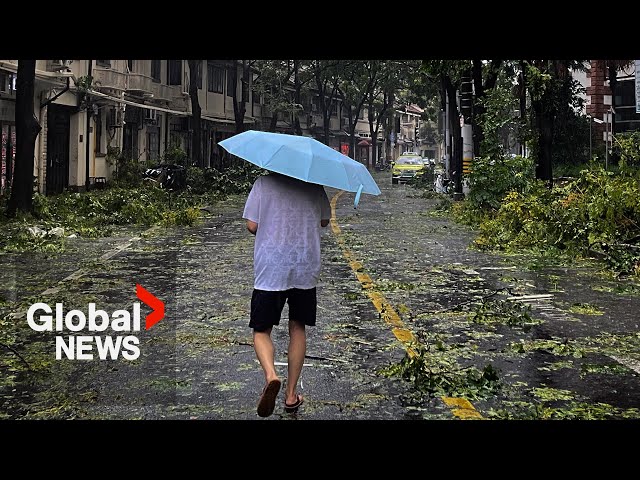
{"x": 447, "y": 138}
{"x": 466, "y": 105}
{"x": 88, "y": 129}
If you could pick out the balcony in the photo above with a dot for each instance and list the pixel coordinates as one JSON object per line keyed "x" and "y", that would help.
{"x": 139, "y": 84}
{"x": 107, "y": 79}
{"x": 164, "y": 92}
{"x": 115, "y": 81}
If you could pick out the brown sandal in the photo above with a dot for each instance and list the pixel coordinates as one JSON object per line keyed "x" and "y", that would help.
{"x": 294, "y": 406}
{"x": 267, "y": 402}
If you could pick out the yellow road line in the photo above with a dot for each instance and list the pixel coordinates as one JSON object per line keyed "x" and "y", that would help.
{"x": 385, "y": 309}
{"x": 461, "y": 407}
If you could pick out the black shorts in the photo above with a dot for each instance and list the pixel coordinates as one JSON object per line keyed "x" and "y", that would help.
{"x": 266, "y": 307}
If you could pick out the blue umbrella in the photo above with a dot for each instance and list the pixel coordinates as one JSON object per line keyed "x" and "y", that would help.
{"x": 303, "y": 158}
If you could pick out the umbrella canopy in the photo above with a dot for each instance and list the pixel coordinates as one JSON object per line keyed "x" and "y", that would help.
{"x": 303, "y": 158}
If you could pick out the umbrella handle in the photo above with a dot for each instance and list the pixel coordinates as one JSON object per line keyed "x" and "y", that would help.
{"x": 357, "y": 200}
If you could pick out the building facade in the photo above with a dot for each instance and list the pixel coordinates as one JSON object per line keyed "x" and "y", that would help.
{"x": 92, "y": 110}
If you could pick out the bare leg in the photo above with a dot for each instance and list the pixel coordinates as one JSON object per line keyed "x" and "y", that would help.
{"x": 265, "y": 352}
{"x": 297, "y": 350}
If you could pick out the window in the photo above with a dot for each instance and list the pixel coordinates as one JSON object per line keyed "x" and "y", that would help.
{"x": 155, "y": 70}
{"x": 215, "y": 78}
{"x": 103, "y": 63}
{"x": 230, "y": 83}
{"x": 3, "y": 82}
{"x": 130, "y": 65}
{"x": 315, "y": 104}
{"x": 256, "y": 97}
{"x": 199, "y": 75}
{"x": 153, "y": 143}
{"x": 334, "y": 108}
{"x": 174, "y": 72}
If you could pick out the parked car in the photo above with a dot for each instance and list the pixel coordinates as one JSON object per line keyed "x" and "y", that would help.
{"x": 407, "y": 167}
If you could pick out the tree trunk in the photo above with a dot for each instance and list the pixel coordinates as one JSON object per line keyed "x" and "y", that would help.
{"x": 374, "y": 149}
{"x": 325, "y": 128}
{"x": 522, "y": 90}
{"x": 544, "y": 126}
{"x": 196, "y": 114}
{"x": 296, "y": 97}
{"x": 239, "y": 107}
{"x": 389, "y": 128}
{"x": 27, "y": 129}
{"x": 320, "y": 85}
{"x": 326, "y": 113}
{"x": 372, "y": 133}
{"x": 456, "y": 135}
{"x": 374, "y": 139}
{"x": 352, "y": 142}
{"x": 374, "y": 128}
{"x": 478, "y": 107}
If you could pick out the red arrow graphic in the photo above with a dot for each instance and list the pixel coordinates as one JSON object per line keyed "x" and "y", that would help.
{"x": 154, "y": 302}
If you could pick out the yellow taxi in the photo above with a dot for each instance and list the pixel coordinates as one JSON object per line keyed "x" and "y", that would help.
{"x": 407, "y": 167}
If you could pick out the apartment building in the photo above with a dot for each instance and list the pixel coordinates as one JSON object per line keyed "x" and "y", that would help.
{"x": 142, "y": 108}
{"x": 139, "y": 107}
{"x": 614, "y": 113}
{"x": 414, "y": 134}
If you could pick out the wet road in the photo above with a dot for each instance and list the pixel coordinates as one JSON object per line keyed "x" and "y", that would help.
{"x": 398, "y": 279}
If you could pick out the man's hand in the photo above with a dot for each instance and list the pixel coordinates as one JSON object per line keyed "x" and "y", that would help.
{"x": 252, "y": 227}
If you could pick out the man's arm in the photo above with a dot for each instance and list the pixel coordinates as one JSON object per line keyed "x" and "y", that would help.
{"x": 325, "y": 209}
{"x": 252, "y": 207}
{"x": 253, "y": 226}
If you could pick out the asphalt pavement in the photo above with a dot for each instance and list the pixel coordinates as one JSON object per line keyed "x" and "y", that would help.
{"x": 398, "y": 281}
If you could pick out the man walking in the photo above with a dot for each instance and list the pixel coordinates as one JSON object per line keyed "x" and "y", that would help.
{"x": 285, "y": 215}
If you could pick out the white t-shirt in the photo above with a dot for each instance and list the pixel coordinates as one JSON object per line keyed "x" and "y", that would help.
{"x": 287, "y": 246}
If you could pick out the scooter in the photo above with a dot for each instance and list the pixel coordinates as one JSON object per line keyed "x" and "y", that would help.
{"x": 382, "y": 166}
{"x": 169, "y": 177}
{"x": 442, "y": 184}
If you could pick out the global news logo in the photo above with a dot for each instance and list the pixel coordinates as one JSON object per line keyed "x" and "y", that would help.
{"x": 122, "y": 324}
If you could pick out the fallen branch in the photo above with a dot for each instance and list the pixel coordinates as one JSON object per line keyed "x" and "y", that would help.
{"x": 18, "y": 355}
{"x": 455, "y": 307}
